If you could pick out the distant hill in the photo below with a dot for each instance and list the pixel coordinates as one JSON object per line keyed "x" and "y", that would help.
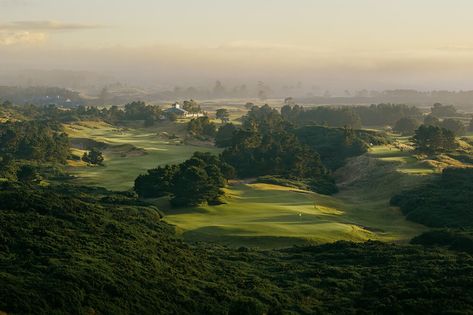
{"x": 41, "y": 96}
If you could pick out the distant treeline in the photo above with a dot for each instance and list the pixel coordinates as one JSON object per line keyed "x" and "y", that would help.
{"x": 460, "y": 98}
{"x": 40, "y": 96}
{"x": 133, "y": 111}
{"x": 351, "y": 116}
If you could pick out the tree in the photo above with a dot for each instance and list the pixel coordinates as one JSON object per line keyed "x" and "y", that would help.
{"x": 406, "y": 125}
{"x": 432, "y": 139}
{"x": 223, "y": 115}
{"x": 191, "y": 106}
{"x": 201, "y": 126}
{"x": 249, "y": 105}
{"x": 439, "y": 110}
{"x": 454, "y": 125}
{"x": 27, "y": 174}
{"x": 225, "y": 135}
{"x": 196, "y": 181}
{"x": 431, "y": 120}
{"x": 157, "y": 182}
{"x": 94, "y": 156}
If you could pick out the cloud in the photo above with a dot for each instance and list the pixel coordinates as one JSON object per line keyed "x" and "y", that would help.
{"x": 46, "y": 26}
{"x": 8, "y": 38}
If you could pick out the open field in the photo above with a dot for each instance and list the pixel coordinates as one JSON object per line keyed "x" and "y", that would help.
{"x": 123, "y": 163}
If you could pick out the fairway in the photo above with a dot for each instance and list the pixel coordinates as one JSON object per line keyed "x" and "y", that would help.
{"x": 121, "y": 168}
{"x": 274, "y": 216}
{"x": 258, "y": 214}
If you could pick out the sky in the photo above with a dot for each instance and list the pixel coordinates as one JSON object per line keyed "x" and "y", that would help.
{"x": 334, "y": 44}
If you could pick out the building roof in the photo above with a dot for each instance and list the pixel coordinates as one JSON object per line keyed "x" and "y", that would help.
{"x": 176, "y": 110}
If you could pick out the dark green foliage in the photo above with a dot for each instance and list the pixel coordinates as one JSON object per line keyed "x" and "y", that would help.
{"x": 225, "y": 135}
{"x": 94, "y": 157}
{"x": 445, "y": 202}
{"x": 454, "y": 125}
{"x": 406, "y": 125}
{"x": 385, "y": 114}
{"x": 433, "y": 139}
{"x": 34, "y": 140}
{"x": 264, "y": 120}
{"x": 223, "y": 115}
{"x": 439, "y": 110}
{"x": 133, "y": 111}
{"x": 277, "y": 153}
{"x": 63, "y": 251}
{"x": 27, "y": 174}
{"x": 191, "y": 183}
{"x": 430, "y": 120}
{"x": 157, "y": 182}
{"x": 196, "y": 185}
{"x": 457, "y": 240}
{"x": 321, "y": 115}
{"x": 335, "y": 145}
{"x": 201, "y": 126}
{"x": 139, "y": 111}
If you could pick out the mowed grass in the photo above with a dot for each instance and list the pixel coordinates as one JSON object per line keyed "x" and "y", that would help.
{"x": 120, "y": 171}
{"x": 264, "y": 215}
{"x": 274, "y": 216}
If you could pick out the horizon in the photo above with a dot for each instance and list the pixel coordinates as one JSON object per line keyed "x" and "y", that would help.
{"x": 331, "y": 45}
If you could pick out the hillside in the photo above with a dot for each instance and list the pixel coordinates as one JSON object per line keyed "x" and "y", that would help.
{"x": 71, "y": 250}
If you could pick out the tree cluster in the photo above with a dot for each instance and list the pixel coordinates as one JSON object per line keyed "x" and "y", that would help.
{"x": 433, "y": 139}
{"x": 94, "y": 157}
{"x": 202, "y": 127}
{"x": 439, "y": 110}
{"x": 385, "y": 114}
{"x": 194, "y": 182}
{"x": 278, "y": 153}
{"x": 34, "y": 140}
{"x": 321, "y": 115}
{"x": 444, "y": 202}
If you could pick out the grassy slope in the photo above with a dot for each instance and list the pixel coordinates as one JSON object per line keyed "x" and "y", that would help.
{"x": 272, "y": 216}
{"x": 120, "y": 172}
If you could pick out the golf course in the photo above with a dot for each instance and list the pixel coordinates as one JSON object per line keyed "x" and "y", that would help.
{"x": 257, "y": 214}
